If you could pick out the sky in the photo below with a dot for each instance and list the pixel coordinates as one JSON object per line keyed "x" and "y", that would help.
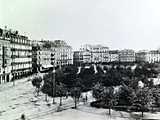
{"x": 118, "y": 24}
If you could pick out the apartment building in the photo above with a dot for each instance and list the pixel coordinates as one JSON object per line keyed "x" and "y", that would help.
{"x": 113, "y": 56}
{"x": 44, "y": 55}
{"x": 63, "y": 53}
{"x": 127, "y": 55}
{"x": 152, "y": 56}
{"x": 77, "y": 58}
{"x": 35, "y": 49}
{"x": 92, "y": 54}
{"x": 21, "y": 55}
{"x": 141, "y": 56}
{"x": 52, "y": 54}
{"x": 15, "y": 55}
{"x": 99, "y": 53}
{"x": 5, "y": 55}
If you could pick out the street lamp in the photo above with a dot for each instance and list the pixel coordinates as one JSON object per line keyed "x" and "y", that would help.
{"x": 53, "y": 77}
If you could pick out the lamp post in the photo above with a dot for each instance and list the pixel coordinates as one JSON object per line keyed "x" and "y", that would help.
{"x": 54, "y": 85}
{"x": 53, "y": 78}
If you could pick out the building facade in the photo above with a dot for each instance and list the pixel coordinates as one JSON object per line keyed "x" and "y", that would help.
{"x": 127, "y": 55}
{"x": 52, "y": 54}
{"x": 99, "y": 53}
{"x": 15, "y": 55}
{"x": 5, "y": 55}
{"x": 86, "y": 54}
{"x": 21, "y": 54}
{"x": 77, "y": 58}
{"x": 43, "y": 55}
{"x": 141, "y": 56}
{"x": 152, "y": 56}
{"x": 94, "y": 54}
{"x": 113, "y": 56}
{"x": 35, "y": 49}
{"x": 63, "y": 53}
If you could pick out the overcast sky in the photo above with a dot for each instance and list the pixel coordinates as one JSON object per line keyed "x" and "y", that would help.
{"x": 117, "y": 24}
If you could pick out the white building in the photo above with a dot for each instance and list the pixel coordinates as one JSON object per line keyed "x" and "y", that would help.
{"x": 127, "y": 55}
{"x": 52, "y": 54}
{"x": 113, "y": 56}
{"x": 64, "y": 55}
{"x": 152, "y": 56}
{"x": 94, "y": 53}
{"x": 5, "y": 60}
{"x": 21, "y": 52}
{"x": 99, "y": 53}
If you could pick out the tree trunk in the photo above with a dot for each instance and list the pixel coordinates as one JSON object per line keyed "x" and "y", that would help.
{"x": 109, "y": 110}
{"x": 53, "y": 100}
{"x": 152, "y": 108}
{"x": 60, "y": 104}
{"x": 142, "y": 110}
{"x": 142, "y": 113}
{"x": 38, "y": 91}
{"x": 46, "y": 97}
{"x": 75, "y": 103}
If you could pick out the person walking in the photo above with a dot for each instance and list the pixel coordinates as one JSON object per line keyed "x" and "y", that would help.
{"x": 23, "y": 117}
{"x": 86, "y": 98}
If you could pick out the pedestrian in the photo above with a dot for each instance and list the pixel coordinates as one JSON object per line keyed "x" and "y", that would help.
{"x": 23, "y": 117}
{"x": 83, "y": 100}
{"x": 86, "y": 98}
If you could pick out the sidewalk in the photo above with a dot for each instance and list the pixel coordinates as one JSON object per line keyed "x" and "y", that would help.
{"x": 9, "y": 85}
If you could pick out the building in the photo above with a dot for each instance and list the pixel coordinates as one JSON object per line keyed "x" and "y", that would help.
{"x": 63, "y": 53}
{"x": 141, "y": 56}
{"x": 77, "y": 58}
{"x": 21, "y": 55}
{"x": 52, "y": 54}
{"x": 99, "y": 53}
{"x": 44, "y": 55}
{"x": 94, "y": 54}
{"x": 152, "y": 56}
{"x": 86, "y": 54}
{"x": 127, "y": 55}
{"x": 15, "y": 52}
{"x": 35, "y": 49}
{"x": 5, "y": 55}
{"x": 113, "y": 56}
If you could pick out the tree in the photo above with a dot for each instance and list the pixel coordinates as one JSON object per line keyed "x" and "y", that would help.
{"x": 60, "y": 92}
{"x": 99, "y": 70}
{"x": 75, "y": 94}
{"x": 97, "y": 91}
{"x": 59, "y": 75}
{"x": 36, "y": 81}
{"x": 47, "y": 89}
{"x": 70, "y": 75}
{"x": 138, "y": 71}
{"x": 156, "y": 95}
{"x": 125, "y": 95}
{"x": 105, "y": 96}
{"x": 142, "y": 99}
{"x": 112, "y": 78}
{"x": 109, "y": 97}
{"x": 49, "y": 85}
{"x": 87, "y": 77}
